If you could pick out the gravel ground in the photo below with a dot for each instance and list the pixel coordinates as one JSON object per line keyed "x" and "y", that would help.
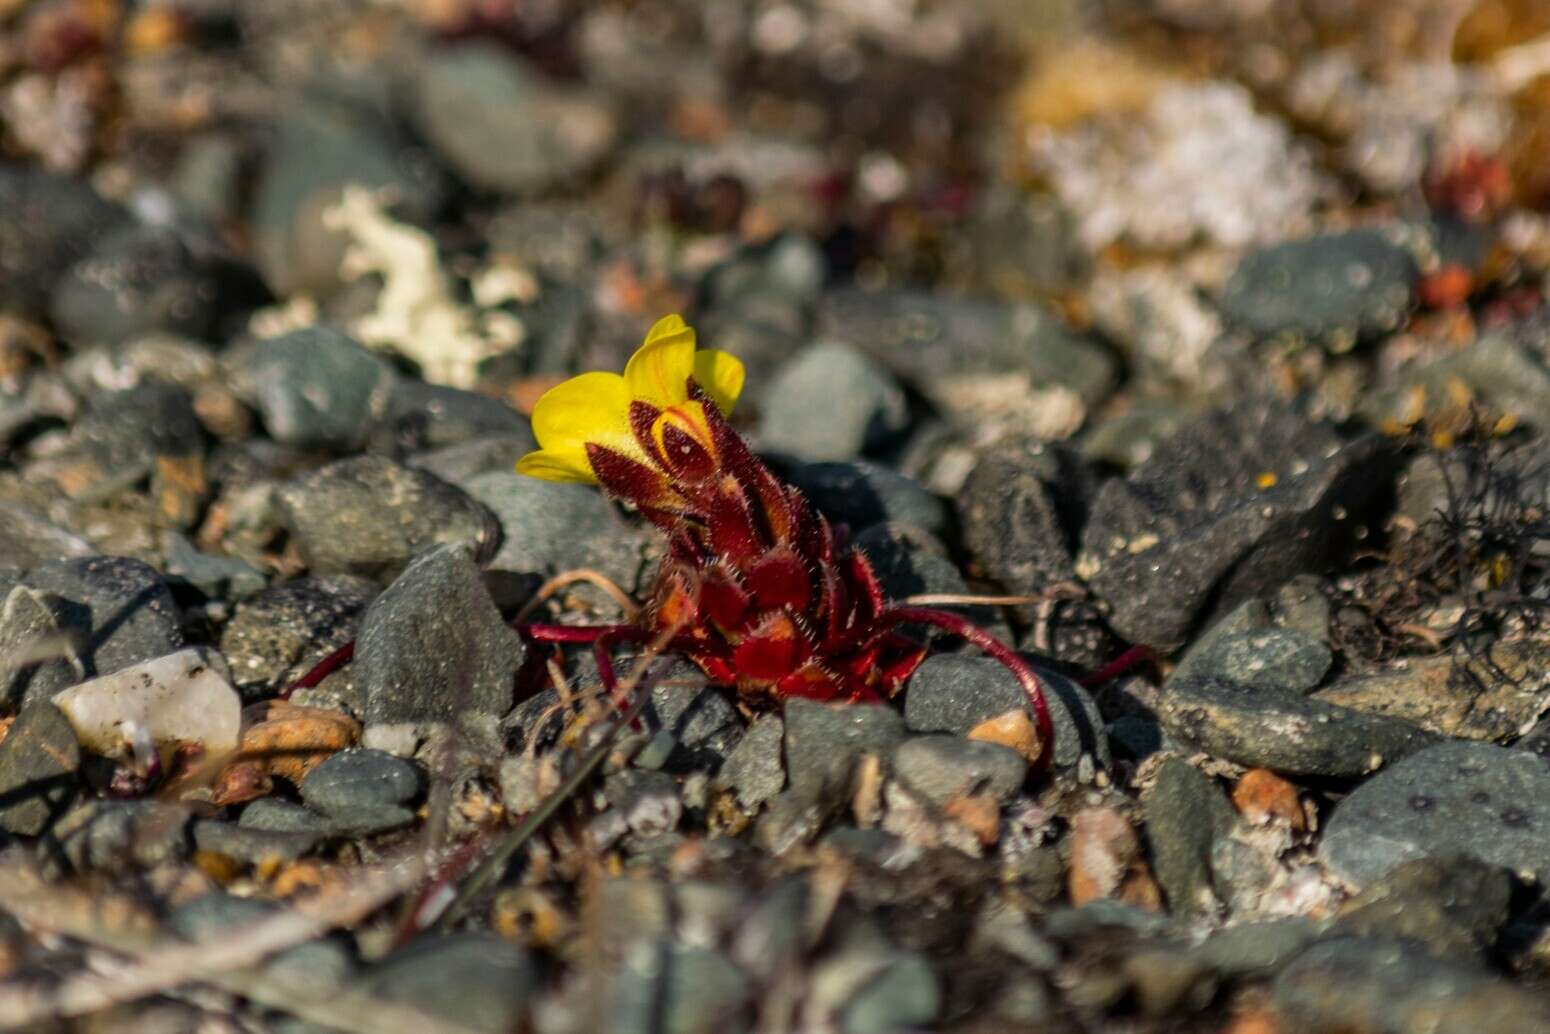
{"x": 1215, "y": 327}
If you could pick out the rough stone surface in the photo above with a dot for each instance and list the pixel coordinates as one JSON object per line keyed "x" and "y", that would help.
{"x": 369, "y": 516}
{"x": 1472, "y": 799}
{"x": 313, "y": 387}
{"x": 120, "y": 608}
{"x": 39, "y": 759}
{"x": 943, "y": 768}
{"x": 433, "y": 650}
{"x": 1185, "y": 811}
{"x": 1336, "y": 289}
{"x": 352, "y": 778}
{"x": 50, "y": 222}
{"x": 755, "y": 769}
{"x": 1271, "y": 661}
{"x": 480, "y": 981}
{"x": 276, "y": 636}
{"x": 1282, "y": 731}
{"x": 1232, "y": 506}
{"x": 830, "y": 402}
{"x": 1358, "y": 983}
{"x": 954, "y": 693}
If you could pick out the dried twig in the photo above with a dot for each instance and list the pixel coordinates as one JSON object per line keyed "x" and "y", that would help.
{"x": 159, "y": 964}
{"x": 571, "y": 577}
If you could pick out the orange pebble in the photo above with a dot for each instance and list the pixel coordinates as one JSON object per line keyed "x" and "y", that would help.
{"x": 1262, "y": 797}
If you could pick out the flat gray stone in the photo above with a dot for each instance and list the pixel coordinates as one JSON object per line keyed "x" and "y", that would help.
{"x": 1473, "y": 799}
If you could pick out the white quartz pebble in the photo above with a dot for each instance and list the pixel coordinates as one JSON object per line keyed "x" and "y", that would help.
{"x": 174, "y": 699}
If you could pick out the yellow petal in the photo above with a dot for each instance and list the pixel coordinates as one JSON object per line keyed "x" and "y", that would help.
{"x": 593, "y": 407}
{"x": 659, "y": 370}
{"x": 551, "y": 466}
{"x": 721, "y": 375}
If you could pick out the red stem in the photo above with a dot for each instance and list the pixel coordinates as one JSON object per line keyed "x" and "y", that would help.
{"x": 1131, "y": 658}
{"x": 1010, "y": 659}
{"x": 322, "y": 669}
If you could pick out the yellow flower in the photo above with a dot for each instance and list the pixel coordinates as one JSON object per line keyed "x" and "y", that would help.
{"x": 594, "y": 408}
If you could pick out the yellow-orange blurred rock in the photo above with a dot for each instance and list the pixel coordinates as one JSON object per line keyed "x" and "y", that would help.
{"x": 283, "y": 740}
{"x": 1012, "y": 729}
{"x": 1492, "y": 26}
{"x": 1262, "y": 797}
{"x": 1083, "y": 79}
{"x": 1254, "y": 1021}
{"x": 980, "y": 814}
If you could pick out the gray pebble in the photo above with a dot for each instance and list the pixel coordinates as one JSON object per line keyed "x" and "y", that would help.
{"x": 1456, "y": 798}
{"x": 39, "y": 761}
{"x": 313, "y": 387}
{"x": 369, "y": 516}
{"x": 944, "y": 768}
{"x": 433, "y": 650}
{"x": 350, "y": 779}
{"x": 831, "y": 403}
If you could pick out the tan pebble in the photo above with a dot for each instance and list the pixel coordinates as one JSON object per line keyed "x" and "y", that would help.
{"x": 1262, "y": 798}
{"x": 980, "y": 814}
{"x": 1103, "y": 849}
{"x": 1012, "y": 729}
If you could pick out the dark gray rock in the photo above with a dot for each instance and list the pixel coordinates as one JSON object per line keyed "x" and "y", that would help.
{"x": 276, "y": 636}
{"x": 369, "y": 516}
{"x": 954, "y": 693}
{"x": 929, "y": 340}
{"x": 559, "y": 240}
{"x": 1386, "y": 987}
{"x": 128, "y": 430}
{"x": 831, "y": 403}
{"x": 703, "y": 724}
{"x": 119, "y": 610}
{"x": 214, "y": 576}
{"x": 822, "y": 745}
{"x": 1336, "y": 289}
{"x": 548, "y": 527}
{"x": 755, "y": 769}
{"x": 479, "y": 981}
{"x": 27, "y": 538}
{"x": 1270, "y": 661}
{"x": 670, "y": 988}
{"x": 861, "y": 494}
{"x": 464, "y": 461}
{"x": 252, "y": 845}
{"x": 117, "y": 837}
{"x": 145, "y": 279}
{"x": 943, "y": 768}
{"x": 904, "y": 994}
{"x": 909, "y": 561}
{"x": 1185, "y": 811}
{"x": 433, "y": 650}
{"x": 1454, "y": 907}
{"x": 1472, "y": 799}
{"x": 1230, "y": 508}
{"x": 48, "y": 222}
{"x": 313, "y": 387}
{"x": 350, "y": 779}
{"x": 648, "y": 802}
{"x": 39, "y": 762}
{"x": 277, "y": 815}
{"x": 433, "y": 416}
{"x": 1256, "y": 948}
{"x": 1020, "y": 507}
{"x": 1283, "y": 731}
{"x": 823, "y": 742}
{"x": 319, "y": 146}
{"x": 33, "y": 624}
{"x": 1505, "y": 369}
{"x": 318, "y": 966}
{"x": 502, "y": 129}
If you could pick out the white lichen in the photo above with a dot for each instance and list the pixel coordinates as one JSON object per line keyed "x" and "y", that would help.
{"x": 418, "y": 314}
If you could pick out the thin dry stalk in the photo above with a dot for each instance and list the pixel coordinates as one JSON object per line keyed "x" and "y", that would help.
{"x": 571, "y": 577}
{"x": 161, "y": 964}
